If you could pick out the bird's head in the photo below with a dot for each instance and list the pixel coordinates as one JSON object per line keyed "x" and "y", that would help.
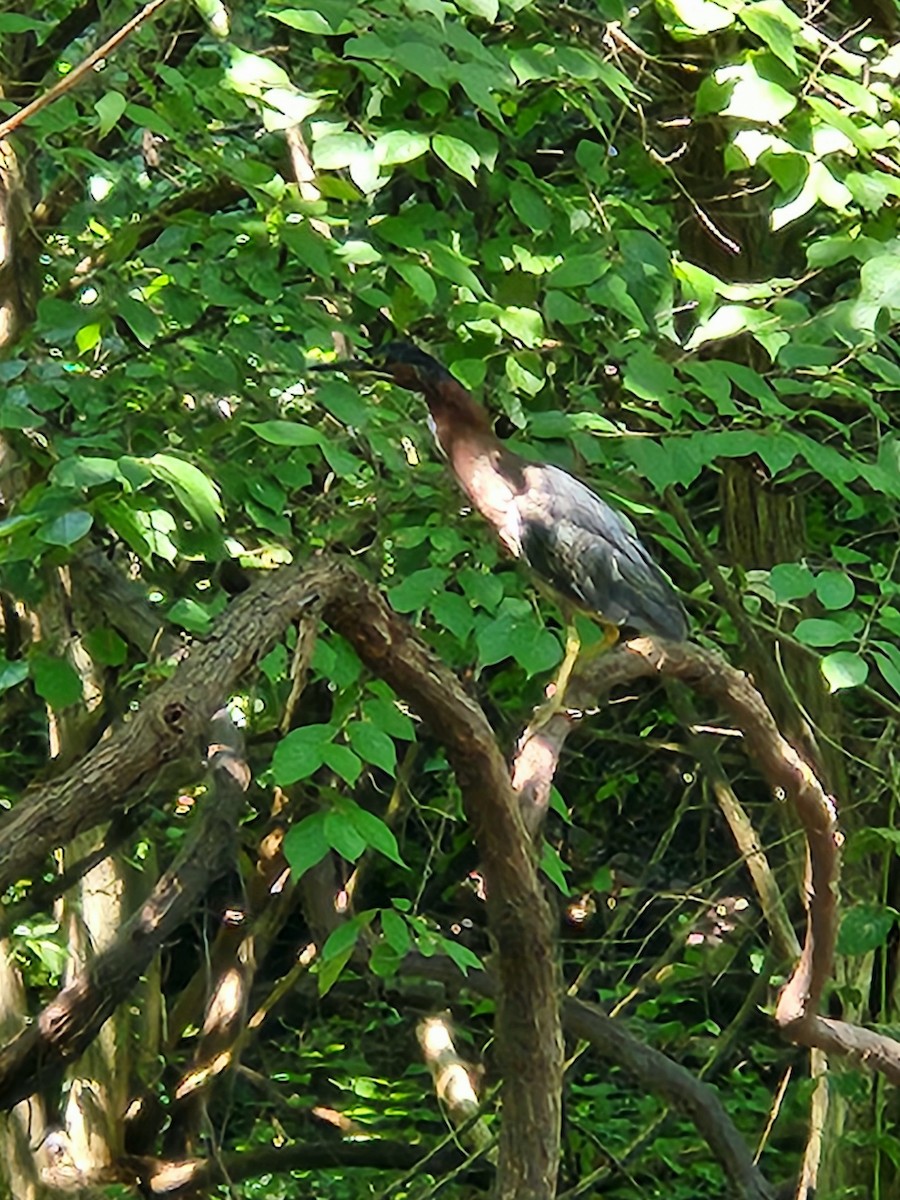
{"x": 405, "y": 364}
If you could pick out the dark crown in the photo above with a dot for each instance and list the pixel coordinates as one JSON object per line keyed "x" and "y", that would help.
{"x": 406, "y": 354}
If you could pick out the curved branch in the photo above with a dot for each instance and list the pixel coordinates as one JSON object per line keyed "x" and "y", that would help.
{"x": 528, "y": 1033}
{"x": 527, "y": 1030}
{"x": 38, "y": 1055}
{"x": 789, "y": 775}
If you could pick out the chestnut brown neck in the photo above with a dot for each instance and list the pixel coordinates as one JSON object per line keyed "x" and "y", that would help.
{"x": 457, "y": 419}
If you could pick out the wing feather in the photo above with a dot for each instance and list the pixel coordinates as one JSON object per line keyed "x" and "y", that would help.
{"x": 590, "y": 553}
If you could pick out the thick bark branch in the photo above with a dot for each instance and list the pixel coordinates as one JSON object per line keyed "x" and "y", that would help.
{"x": 169, "y": 726}
{"x": 175, "y": 1177}
{"x": 38, "y": 1055}
{"x": 529, "y": 1041}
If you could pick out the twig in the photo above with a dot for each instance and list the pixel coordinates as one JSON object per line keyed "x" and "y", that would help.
{"x": 77, "y": 73}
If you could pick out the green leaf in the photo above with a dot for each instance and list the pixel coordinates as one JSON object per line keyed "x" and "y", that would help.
{"x": 465, "y": 959}
{"x": 864, "y": 928}
{"x": 305, "y": 844}
{"x": 773, "y": 23}
{"x": 286, "y": 433}
{"x": 396, "y": 931}
{"x": 844, "y": 669}
{"x": 337, "y": 150}
{"x": 84, "y": 472}
{"x": 56, "y": 681}
{"x": 525, "y": 324}
{"x": 342, "y": 834}
{"x": 553, "y": 867}
{"x": 106, "y": 647}
{"x": 400, "y": 146}
{"x": 449, "y": 264}
{"x": 195, "y": 490}
{"x": 521, "y": 637}
{"x": 486, "y": 9}
{"x": 109, "y": 108}
{"x": 890, "y": 673}
{"x": 374, "y": 832}
{"x": 300, "y": 753}
{"x": 534, "y": 213}
{"x": 384, "y": 961}
{"x": 791, "y": 581}
{"x": 12, "y": 674}
{"x": 562, "y": 308}
{"x": 190, "y": 615}
{"x": 286, "y": 107}
{"x": 140, "y": 318}
{"x": 650, "y": 377}
{"x": 18, "y": 23}
{"x": 307, "y": 20}
{"x": 372, "y": 745}
{"x": 344, "y": 762}
{"x": 329, "y": 972}
{"x": 414, "y": 592}
{"x": 454, "y": 612}
{"x": 67, "y": 529}
{"x": 249, "y": 74}
{"x": 687, "y": 19}
{"x": 835, "y": 589}
{"x": 88, "y": 337}
{"x": 215, "y": 15}
{"x": 458, "y": 155}
{"x": 387, "y": 716}
{"x": 871, "y": 839}
{"x": 419, "y": 280}
{"x": 754, "y": 98}
{"x": 578, "y": 270}
{"x": 815, "y": 632}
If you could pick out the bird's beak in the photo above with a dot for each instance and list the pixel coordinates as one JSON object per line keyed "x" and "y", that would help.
{"x": 354, "y": 366}
{"x": 350, "y": 365}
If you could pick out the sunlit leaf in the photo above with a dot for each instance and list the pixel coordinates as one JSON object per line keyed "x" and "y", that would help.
{"x": 844, "y": 669}
{"x": 458, "y": 155}
{"x": 193, "y": 488}
{"x": 109, "y": 108}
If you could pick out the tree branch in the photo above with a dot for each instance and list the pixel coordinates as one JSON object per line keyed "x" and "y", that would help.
{"x": 649, "y": 1068}
{"x": 77, "y": 73}
{"x": 38, "y": 1055}
{"x": 529, "y": 1040}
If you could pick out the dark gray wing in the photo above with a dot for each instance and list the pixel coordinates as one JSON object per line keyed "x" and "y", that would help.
{"x": 591, "y": 555}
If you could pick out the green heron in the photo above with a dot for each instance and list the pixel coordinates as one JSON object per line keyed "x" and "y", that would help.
{"x": 586, "y": 552}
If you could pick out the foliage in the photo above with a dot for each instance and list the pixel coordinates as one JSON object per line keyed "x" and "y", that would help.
{"x": 536, "y": 192}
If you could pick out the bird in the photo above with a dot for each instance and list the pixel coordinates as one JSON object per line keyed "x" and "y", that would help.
{"x": 575, "y": 544}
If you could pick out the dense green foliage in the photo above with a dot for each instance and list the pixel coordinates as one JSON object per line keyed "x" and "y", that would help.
{"x": 661, "y": 245}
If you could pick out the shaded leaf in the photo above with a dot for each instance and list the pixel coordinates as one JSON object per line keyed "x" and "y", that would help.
{"x": 864, "y": 928}
{"x": 67, "y": 528}
{"x": 56, "y": 681}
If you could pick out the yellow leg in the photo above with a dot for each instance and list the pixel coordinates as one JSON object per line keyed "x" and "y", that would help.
{"x": 557, "y": 701}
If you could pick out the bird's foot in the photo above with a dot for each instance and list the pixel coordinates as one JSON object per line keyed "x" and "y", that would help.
{"x": 554, "y": 706}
